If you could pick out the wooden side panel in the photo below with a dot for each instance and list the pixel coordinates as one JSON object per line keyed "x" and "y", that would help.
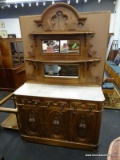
{"x": 67, "y": 123}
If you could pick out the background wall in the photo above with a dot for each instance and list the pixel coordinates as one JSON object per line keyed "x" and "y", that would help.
{"x": 11, "y": 26}
{"x": 116, "y": 24}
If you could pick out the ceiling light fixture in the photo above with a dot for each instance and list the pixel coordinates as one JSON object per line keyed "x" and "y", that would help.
{"x": 37, "y": 4}
{"x": 15, "y": 5}
{"x": 18, "y": 1}
{"x": 99, "y": 1}
{"x": 44, "y": 3}
{"x": 85, "y": 1}
{"x": 77, "y": 1}
{"x": 29, "y": 4}
{"x": 68, "y": 1}
{"x": 8, "y": 5}
{"x": 22, "y": 4}
{"x": 53, "y": 2}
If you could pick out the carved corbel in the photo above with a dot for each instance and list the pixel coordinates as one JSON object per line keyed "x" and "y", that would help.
{"x": 91, "y": 54}
{"x": 32, "y": 52}
{"x": 90, "y": 78}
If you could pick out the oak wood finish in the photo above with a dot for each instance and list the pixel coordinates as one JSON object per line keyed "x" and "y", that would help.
{"x": 113, "y": 74}
{"x": 59, "y": 121}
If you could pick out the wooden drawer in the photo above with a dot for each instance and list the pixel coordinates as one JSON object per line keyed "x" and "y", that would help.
{"x": 42, "y": 102}
{"x": 55, "y": 103}
{"x": 80, "y": 105}
{"x": 24, "y": 100}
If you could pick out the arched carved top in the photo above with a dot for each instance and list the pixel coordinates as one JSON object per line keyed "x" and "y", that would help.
{"x": 60, "y": 17}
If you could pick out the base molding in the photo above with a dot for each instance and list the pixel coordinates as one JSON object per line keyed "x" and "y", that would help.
{"x": 60, "y": 143}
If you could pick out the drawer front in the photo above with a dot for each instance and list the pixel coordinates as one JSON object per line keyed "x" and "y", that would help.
{"x": 80, "y": 105}
{"x": 61, "y": 103}
{"x": 45, "y": 102}
{"x": 24, "y": 100}
{"x": 55, "y": 103}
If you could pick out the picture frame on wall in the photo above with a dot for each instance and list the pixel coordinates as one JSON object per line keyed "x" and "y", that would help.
{"x": 2, "y": 24}
{"x": 4, "y": 34}
{"x": 11, "y": 35}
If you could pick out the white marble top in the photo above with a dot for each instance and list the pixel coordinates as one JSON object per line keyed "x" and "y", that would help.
{"x": 61, "y": 91}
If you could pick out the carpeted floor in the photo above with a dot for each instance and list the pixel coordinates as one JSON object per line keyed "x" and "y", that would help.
{"x": 112, "y": 101}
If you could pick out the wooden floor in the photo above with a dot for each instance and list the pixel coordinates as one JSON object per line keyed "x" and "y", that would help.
{"x": 10, "y": 122}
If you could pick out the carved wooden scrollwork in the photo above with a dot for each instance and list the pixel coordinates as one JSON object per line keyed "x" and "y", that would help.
{"x": 30, "y": 118}
{"x": 83, "y": 106}
{"x": 35, "y": 72}
{"x": 56, "y": 125}
{"x": 30, "y": 77}
{"x": 29, "y": 101}
{"x": 82, "y": 127}
{"x": 32, "y": 52}
{"x": 90, "y": 78}
{"x": 60, "y": 17}
{"x": 60, "y": 104}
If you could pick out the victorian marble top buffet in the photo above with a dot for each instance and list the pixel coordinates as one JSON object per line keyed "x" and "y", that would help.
{"x": 56, "y": 106}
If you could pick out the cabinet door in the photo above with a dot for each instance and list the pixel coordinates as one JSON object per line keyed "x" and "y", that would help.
{"x": 3, "y": 79}
{"x": 57, "y": 123}
{"x": 31, "y": 120}
{"x": 83, "y": 126}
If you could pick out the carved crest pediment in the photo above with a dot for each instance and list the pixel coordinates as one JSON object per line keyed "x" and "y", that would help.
{"x": 60, "y": 17}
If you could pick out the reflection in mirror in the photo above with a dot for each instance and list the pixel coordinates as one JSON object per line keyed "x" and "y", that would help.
{"x": 20, "y": 51}
{"x": 61, "y": 46}
{"x": 61, "y": 70}
{"x": 17, "y": 52}
{"x": 14, "y": 51}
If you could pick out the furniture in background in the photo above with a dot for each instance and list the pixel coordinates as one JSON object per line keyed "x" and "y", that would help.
{"x": 108, "y": 84}
{"x": 113, "y": 50}
{"x": 12, "y": 69}
{"x": 11, "y": 120}
{"x": 63, "y": 110}
{"x": 114, "y": 71}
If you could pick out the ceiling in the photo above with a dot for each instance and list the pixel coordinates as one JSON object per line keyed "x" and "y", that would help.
{"x": 9, "y": 3}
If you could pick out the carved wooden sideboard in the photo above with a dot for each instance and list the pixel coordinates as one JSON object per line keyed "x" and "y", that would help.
{"x": 56, "y": 109}
{"x": 60, "y": 115}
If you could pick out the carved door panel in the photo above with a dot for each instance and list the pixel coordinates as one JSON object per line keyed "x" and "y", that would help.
{"x": 31, "y": 120}
{"x": 57, "y": 123}
{"x": 82, "y": 126}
